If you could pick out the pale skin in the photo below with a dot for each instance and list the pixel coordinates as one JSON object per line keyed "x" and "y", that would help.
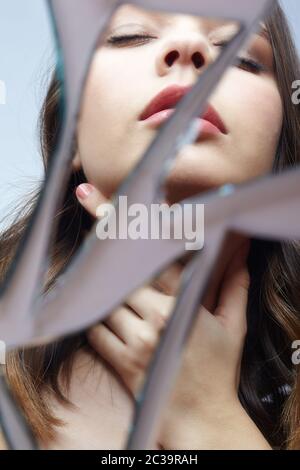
{"x": 205, "y": 397}
{"x": 250, "y": 105}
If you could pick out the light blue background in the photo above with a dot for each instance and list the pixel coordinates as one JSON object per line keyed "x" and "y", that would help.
{"x": 26, "y": 57}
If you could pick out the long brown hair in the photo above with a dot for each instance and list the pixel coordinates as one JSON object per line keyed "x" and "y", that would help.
{"x": 270, "y": 384}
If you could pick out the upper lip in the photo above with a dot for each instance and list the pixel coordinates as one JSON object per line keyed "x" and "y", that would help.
{"x": 170, "y": 96}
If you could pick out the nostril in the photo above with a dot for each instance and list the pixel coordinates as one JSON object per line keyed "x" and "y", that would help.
{"x": 198, "y": 60}
{"x": 171, "y": 57}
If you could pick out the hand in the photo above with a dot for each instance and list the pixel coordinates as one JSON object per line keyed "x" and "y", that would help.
{"x": 205, "y": 396}
{"x": 128, "y": 337}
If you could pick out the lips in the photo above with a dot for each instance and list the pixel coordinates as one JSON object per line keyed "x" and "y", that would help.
{"x": 162, "y": 106}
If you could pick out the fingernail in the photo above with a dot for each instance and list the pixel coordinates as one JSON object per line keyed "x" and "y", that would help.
{"x": 84, "y": 190}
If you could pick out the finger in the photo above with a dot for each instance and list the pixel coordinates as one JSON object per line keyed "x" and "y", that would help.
{"x": 106, "y": 344}
{"x": 129, "y": 327}
{"x": 151, "y": 305}
{"x": 232, "y": 305}
{"x": 90, "y": 197}
{"x": 124, "y": 362}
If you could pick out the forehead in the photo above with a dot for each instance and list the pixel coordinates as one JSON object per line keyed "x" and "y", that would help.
{"x": 129, "y": 13}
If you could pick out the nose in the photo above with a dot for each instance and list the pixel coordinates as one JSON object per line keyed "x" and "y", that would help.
{"x": 193, "y": 50}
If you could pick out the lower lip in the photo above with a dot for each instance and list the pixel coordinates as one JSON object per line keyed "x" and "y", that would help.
{"x": 206, "y": 128}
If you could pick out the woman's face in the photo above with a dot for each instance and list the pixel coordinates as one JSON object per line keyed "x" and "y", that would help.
{"x": 125, "y": 76}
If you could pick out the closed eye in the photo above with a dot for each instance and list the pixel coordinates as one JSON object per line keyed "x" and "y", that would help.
{"x": 245, "y": 63}
{"x": 135, "y": 39}
{"x": 250, "y": 65}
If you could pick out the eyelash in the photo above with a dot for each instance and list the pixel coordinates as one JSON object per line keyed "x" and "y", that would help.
{"x": 243, "y": 63}
{"x": 250, "y": 64}
{"x": 119, "y": 40}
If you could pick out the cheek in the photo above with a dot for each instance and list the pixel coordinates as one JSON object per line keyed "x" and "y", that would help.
{"x": 255, "y": 116}
{"x": 114, "y": 88}
{"x": 105, "y": 122}
{"x": 101, "y": 104}
{"x": 108, "y": 133}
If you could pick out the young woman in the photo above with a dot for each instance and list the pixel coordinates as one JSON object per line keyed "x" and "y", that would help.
{"x": 237, "y": 389}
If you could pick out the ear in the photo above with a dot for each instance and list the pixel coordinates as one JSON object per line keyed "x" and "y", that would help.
{"x": 76, "y": 162}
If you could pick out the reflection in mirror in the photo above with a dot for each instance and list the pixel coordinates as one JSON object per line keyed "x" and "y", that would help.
{"x": 236, "y": 386}
{"x": 145, "y": 65}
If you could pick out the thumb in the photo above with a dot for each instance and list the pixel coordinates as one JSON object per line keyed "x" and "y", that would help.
{"x": 90, "y": 197}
